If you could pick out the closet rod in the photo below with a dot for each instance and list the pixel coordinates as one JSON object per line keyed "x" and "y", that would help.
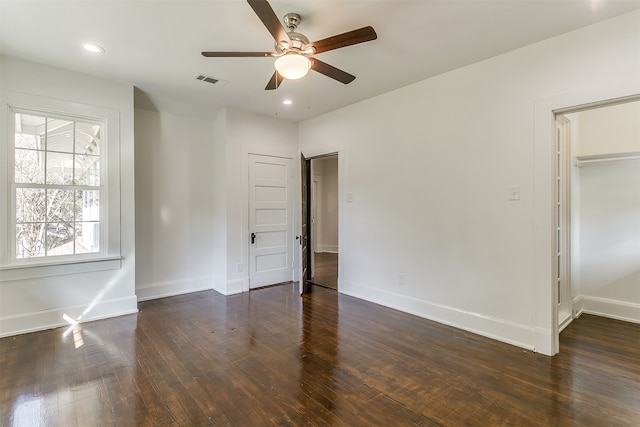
{"x": 596, "y": 159}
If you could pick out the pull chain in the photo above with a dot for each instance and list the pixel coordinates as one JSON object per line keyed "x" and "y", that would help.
{"x": 277, "y": 90}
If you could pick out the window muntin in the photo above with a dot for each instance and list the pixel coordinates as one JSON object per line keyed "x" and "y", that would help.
{"x": 57, "y": 192}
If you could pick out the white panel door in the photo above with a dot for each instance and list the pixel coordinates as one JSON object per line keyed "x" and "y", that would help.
{"x": 270, "y": 220}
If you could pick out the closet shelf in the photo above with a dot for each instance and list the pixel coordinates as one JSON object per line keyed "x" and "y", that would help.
{"x": 601, "y": 159}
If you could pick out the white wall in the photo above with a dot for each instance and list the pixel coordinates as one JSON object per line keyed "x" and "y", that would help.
{"x": 237, "y": 135}
{"x": 326, "y": 171}
{"x": 192, "y": 197}
{"x": 614, "y": 129}
{"x": 606, "y": 213}
{"x": 174, "y": 204}
{"x": 220, "y": 194}
{"x": 429, "y": 167}
{"x": 92, "y": 290}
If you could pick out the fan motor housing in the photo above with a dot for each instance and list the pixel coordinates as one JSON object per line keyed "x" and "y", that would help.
{"x": 299, "y": 42}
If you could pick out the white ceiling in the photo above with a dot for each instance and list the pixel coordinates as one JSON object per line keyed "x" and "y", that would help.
{"x": 156, "y": 45}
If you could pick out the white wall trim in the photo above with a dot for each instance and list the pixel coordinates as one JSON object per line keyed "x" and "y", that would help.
{"x": 231, "y": 287}
{"x": 235, "y": 286}
{"x": 48, "y": 319}
{"x": 111, "y": 168}
{"x": 488, "y": 326}
{"x": 620, "y": 310}
{"x": 328, "y": 248}
{"x": 542, "y": 339}
{"x": 220, "y": 285}
{"x": 245, "y": 283}
{"x": 544, "y": 297}
{"x": 170, "y": 288}
{"x": 24, "y": 272}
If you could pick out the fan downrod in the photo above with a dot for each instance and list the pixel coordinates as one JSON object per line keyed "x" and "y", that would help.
{"x": 299, "y": 42}
{"x": 291, "y": 21}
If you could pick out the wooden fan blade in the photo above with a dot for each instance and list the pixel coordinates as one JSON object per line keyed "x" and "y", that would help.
{"x": 263, "y": 9}
{"x": 237, "y": 54}
{"x": 276, "y": 80}
{"x": 349, "y": 38}
{"x": 331, "y": 71}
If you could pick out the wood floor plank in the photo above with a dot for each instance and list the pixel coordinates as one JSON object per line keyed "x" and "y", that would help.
{"x": 325, "y": 269}
{"x": 270, "y": 357}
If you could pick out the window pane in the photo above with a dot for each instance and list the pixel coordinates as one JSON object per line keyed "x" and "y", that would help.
{"x": 30, "y": 205}
{"x": 88, "y": 205}
{"x": 87, "y": 237}
{"x": 60, "y": 205}
{"x": 59, "y": 168}
{"x": 24, "y": 140}
{"x": 60, "y": 239}
{"x": 56, "y": 153}
{"x": 87, "y": 138}
{"x": 59, "y": 135}
{"x": 29, "y": 166}
{"x": 87, "y": 170}
{"x": 29, "y": 240}
{"x": 28, "y": 130}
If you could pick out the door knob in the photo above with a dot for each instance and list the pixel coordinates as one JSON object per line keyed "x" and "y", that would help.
{"x": 253, "y": 238}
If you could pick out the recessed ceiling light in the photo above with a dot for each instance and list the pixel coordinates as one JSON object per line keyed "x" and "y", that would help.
{"x": 287, "y": 102}
{"x": 93, "y": 48}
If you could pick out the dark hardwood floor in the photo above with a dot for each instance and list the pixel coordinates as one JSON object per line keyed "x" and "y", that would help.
{"x": 270, "y": 357}
{"x": 325, "y": 269}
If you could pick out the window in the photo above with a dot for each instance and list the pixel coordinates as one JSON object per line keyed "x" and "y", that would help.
{"x": 57, "y": 188}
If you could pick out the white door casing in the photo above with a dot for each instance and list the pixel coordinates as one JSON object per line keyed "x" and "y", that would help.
{"x": 563, "y": 220}
{"x": 270, "y": 220}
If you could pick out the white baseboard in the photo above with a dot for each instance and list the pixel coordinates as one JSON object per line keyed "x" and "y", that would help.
{"x": 48, "y": 319}
{"x": 231, "y": 287}
{"x": 174, "y": 287}
{"x": 542, "y": 341}
{"x": 620, "y": 310}
{"x": 499, "y": 329}
{"x": 236, "y": 286}
{"x": 333, "y": 249}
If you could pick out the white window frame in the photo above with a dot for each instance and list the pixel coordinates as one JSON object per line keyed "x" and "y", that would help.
{"x": 14, "y": 185}
{"x": 109, "y": 256}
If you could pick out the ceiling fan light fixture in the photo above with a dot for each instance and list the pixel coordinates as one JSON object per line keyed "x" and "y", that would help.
{"x": 293, "y": 66}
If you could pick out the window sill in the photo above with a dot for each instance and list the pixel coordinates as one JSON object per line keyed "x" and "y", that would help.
{"x": 10, "y": 273}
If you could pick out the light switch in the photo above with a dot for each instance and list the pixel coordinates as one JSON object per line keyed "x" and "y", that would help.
{"x": 349, "y": 197}
{"x": 514, "y": 193}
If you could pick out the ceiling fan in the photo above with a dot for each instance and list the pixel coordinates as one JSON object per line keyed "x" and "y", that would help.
{"x": 294, "y": 53}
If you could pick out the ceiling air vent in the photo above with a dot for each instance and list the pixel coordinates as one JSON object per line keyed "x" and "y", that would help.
{"x": 211, "y": 80}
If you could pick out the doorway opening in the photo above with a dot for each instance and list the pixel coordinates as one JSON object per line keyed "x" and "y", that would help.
{"x": 322, "y": 216}
{"x": 597, "y": 211}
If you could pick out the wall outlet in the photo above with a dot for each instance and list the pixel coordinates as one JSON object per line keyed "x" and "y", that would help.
{"x": 238, "y": 268}
{"x": 402, "y": 279}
